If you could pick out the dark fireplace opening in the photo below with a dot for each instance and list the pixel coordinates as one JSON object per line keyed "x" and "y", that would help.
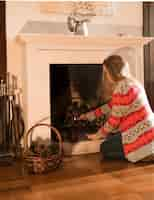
{"x": 74, "y": 89}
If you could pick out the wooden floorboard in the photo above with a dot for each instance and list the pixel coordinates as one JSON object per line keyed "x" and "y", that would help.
{"x": 85, "y": 177}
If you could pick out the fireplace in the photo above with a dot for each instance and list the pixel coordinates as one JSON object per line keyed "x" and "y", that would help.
{"x": 74, "y": 89}
{"x": 41, "y": 50}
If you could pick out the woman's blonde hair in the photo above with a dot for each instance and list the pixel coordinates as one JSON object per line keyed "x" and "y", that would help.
{"x": 117, "y": 67}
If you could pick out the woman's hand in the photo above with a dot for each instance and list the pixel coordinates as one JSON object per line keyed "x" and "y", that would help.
{"x": 95, "y": 136}
{"x": 83, "y": 117}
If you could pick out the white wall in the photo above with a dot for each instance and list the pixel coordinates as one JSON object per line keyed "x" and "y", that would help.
{"x": 18, "y": 13}
{"x": 127, "y": 19}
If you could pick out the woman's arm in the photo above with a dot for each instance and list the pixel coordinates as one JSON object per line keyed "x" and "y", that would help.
{"x": 98, "y": 112}
{"x": 113, "y": 121}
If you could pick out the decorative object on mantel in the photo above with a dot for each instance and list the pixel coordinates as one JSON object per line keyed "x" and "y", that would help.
{"x": 42, "y": 158}
{"x": 79, "y": 13}
{"x": 78, "y": 27}
{"x": 92, "y": 8}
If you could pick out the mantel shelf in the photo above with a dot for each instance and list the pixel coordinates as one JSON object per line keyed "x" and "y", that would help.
{"x": 92, "y": 42}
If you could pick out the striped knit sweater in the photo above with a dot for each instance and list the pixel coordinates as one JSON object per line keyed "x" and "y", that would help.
{"x": 129, "y": 112}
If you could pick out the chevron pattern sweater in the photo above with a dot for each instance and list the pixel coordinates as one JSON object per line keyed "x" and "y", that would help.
{"x": 130, "y": 113}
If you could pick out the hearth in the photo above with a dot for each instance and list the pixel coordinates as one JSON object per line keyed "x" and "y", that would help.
{"x": 75, "y": 89}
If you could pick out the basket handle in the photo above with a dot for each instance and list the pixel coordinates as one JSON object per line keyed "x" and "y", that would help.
{"x": 47, "y": 125}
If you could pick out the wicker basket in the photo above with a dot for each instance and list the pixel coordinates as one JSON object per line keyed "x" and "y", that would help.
{"x": 36, "y": 164}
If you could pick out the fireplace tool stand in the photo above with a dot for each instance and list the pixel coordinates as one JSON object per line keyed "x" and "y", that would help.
{"x": 11, "y": 120}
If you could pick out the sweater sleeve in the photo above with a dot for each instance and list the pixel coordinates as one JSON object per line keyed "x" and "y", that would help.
{"x": 113, "y": 121}
{"x": 111, "y": 124}
{"x": 99, "y": 112}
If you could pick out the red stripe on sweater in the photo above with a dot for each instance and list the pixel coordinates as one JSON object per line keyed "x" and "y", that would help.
{"x": 125, "y": 99}
{"x": 113, "y": 121}
{"x": 98, "y": 112}
{"x": 144, "y": 139}
{"x": 110, "y": 104}
{"x": 133, "y": 118}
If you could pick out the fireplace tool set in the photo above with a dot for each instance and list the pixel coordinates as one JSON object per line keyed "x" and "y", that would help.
{"x": 11, "y": 120}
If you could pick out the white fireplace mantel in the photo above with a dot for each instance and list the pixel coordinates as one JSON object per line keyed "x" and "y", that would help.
{"x": 41, "y": 50}
{"x": 72, "y": 42}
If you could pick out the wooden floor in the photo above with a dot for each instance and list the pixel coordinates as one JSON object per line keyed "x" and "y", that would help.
{"x": 84, "y": 177}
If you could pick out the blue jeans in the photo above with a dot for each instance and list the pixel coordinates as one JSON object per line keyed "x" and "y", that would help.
{"x": 112, "y": 147}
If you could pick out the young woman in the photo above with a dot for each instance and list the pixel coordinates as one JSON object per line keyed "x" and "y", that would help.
{"x": 129, "y": 129}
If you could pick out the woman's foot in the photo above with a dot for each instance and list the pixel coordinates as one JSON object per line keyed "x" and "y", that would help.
{"x": 149, "y": 159}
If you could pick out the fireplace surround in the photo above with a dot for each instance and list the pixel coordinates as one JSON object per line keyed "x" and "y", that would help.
{"x": 41, "y": 50}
